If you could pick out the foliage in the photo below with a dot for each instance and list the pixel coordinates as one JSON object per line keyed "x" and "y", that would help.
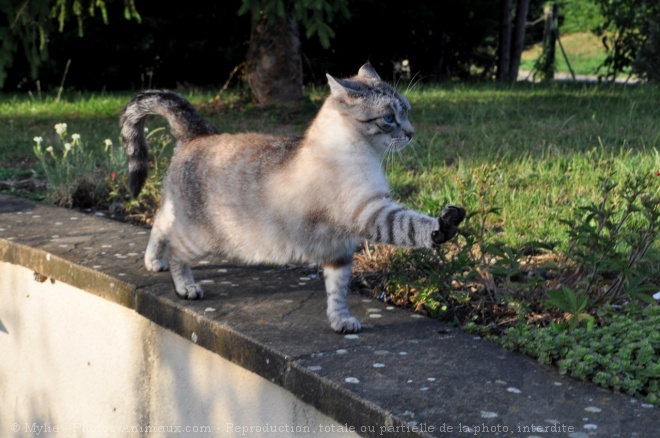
{"x": 70, "y": 171}
{"x": 623, "y": 354}
{"x": 21, "y": 30}
{"x": 442, "y": 40}
{"x": 573, "y": 304}
{"x": 610, "y": 240}
{"x": 631, "y": 33}
{"x": 477, "y": 278}
{"x": 314, "y": 15}
{"x": 579, "y": 16}
{"x": 77, "y": 177}
{"x": 28, "y": 24}
{"x": 62, "y": 10}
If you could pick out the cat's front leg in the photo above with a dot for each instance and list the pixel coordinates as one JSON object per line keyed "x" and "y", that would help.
{"x": 184, "y": 283}
{"x": 337, "y": 276}
{"x": 381, "y": 220}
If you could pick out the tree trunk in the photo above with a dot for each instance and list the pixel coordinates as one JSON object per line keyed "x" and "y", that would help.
{"x": 522, "y": 9}
{"x": 274, "y": 60}
{"x": 504, "y": 49}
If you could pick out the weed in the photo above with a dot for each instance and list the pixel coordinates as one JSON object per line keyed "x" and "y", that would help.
{"x": 610, "y": 240}
{"x": 70, "y": 171}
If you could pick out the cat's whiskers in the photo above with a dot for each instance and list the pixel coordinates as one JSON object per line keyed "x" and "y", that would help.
{"x": 411, "y": 145}
{"x": 394, "y": 147}
{"x": 413, "y": 83}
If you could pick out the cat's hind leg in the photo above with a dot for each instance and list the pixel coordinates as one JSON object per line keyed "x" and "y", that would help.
{"x": 184, "y": 283}
{"x": 337, "y": 276}
{"x": 154, "y": 255}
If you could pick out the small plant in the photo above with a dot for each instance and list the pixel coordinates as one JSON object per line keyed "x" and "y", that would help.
{"x": 610, "y": 240}
{"x": 70, "y": 170}
{"x": 623, "y": 354}
{"x": 77, "y": 177}
{"x": 476, "y": 277}
{"x": 574, "y": 304}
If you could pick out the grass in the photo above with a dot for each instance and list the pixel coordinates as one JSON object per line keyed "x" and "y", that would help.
{"x": 535, "y": 153}
{"x": 584, "y": 50}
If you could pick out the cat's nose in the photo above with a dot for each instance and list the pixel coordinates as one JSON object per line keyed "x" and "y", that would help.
{"x": 409, "y": 134}
{"x": 408, "y": 129}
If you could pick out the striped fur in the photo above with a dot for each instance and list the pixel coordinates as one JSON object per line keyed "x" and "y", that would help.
{"x": 266, "y": 199}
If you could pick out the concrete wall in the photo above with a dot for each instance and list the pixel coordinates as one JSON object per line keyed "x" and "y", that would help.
{"x": 77, "y": 365}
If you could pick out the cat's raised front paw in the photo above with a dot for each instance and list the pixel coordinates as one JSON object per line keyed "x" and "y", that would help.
{"x": 450, "y": 218}
{"x": 346, "y": 325}
{"x": 453, "y": 214}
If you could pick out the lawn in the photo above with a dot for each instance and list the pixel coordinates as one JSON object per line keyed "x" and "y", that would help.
{"x": 559, "y": 179}
{"x": 584, "y": 50}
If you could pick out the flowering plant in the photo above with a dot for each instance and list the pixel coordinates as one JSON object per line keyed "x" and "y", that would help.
{"x": 77, "y": 177}
{"x": 70, "y": 170}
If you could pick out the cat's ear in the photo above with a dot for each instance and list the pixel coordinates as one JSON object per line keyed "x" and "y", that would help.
{"x": 341, "y": 88}
{"x": 367, "y": 71}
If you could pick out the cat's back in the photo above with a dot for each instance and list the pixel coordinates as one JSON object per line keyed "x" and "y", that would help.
{"x": 222, "y": 148}
{"x": 238, "y": 163}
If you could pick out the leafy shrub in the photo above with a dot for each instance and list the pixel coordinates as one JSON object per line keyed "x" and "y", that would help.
{"x": 631, "y": 33}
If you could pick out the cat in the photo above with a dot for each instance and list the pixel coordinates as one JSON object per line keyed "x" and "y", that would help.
{"x": 268, "y": 199}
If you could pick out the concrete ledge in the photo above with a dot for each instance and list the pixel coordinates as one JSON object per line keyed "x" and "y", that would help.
{"x": 402, "y": 376}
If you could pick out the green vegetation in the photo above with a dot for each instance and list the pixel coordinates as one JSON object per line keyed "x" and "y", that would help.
{"x": 585, "y": 52}
{"x": 558, "y": 256}
{"x": 622, "y": 354}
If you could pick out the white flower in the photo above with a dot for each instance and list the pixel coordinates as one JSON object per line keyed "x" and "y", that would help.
{"x": 38, "y": 140}
{"x": 108, "y": 143}
{"x": 60, "y": 128}
{"x": 49, "y": 149}
{"x": 75, "y": 137}
{"x": 67, "y": 146}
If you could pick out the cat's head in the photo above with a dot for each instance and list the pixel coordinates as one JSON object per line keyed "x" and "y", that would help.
{"x": 374, "y": 107}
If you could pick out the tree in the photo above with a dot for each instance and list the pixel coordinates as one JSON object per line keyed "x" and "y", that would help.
{"x": 631, "y": 34}
{"x": 27, "y": 25}
{"x": 273, "y": 63}
{"x": 512, "y": 39}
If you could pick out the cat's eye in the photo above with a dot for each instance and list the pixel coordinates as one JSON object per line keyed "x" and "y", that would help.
{"x": 388, "y": 118}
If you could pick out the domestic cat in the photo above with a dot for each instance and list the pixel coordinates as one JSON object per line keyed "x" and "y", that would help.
{"x": 268, "y": 199}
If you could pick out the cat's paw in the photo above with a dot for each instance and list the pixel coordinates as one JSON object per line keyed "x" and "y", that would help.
{"x": 453, "y": 214}
{"x": 155, "y": 265}
{"x": 346, "y": 325}
{"x": 190, "y": 292}
{"x": 450, "y": 218}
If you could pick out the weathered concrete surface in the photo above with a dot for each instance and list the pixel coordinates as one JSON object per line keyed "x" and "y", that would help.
{"x": 77, "y": 365}
{"x": 402, "y": 372}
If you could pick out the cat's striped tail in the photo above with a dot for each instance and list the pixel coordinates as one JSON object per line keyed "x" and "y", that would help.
{"x": 184, "y": 120}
